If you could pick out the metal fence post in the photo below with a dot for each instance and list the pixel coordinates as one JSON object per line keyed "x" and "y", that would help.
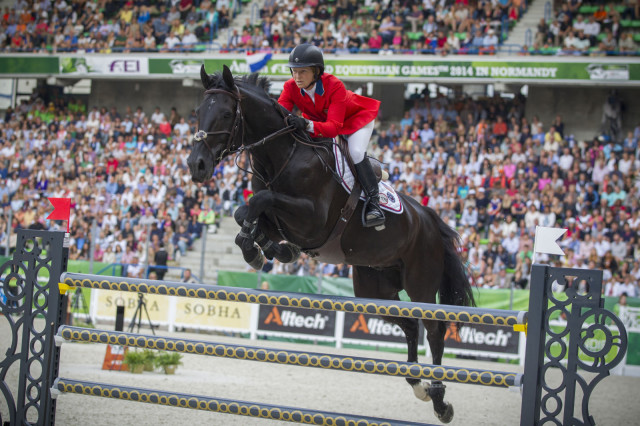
{"x": 38, "y": 254}
{"x": 203, "y": 251}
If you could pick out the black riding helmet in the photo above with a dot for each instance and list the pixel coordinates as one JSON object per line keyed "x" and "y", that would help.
{"x": 307, "y": 55}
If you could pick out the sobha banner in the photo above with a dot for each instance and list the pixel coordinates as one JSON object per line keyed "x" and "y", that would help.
{"x": 173, "y": 311}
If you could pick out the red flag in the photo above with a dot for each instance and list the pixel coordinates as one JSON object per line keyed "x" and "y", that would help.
{"x": 61, "y": 209}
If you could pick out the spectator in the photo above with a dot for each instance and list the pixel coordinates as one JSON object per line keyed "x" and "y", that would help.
{"x": 626, "y": 44}
{"x": 490, "y": 41}
{"x": 160, "y": 260}
{"x": 187, "y": 277}
{"x": 181, "y": 241}
{"x": 189, "y": 39}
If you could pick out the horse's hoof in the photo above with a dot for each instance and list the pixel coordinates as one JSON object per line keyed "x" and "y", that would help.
{"x": 240, "y": 213}
{"x": 257, "y": 262}
{"x": 447, "y": 416}
{"x": 421, "y": 391}
{"x": 290, "y": 254}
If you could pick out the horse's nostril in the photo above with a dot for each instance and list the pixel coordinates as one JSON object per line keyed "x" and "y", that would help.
{"x": 201, "y": 165}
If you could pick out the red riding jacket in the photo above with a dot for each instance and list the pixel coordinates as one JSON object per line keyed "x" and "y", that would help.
{"x": 337, "y": 111}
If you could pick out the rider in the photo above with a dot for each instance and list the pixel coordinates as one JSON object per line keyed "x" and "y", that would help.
{"x": 329, "y": 110}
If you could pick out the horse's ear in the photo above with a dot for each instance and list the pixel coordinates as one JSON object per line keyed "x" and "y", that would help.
{"x": 228, "y": 77}
{"x": 206, "y": 78}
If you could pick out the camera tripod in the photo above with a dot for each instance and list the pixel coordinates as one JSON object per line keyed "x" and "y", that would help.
{"x": 79, "y": 304}
{"x": 137, "y": 316}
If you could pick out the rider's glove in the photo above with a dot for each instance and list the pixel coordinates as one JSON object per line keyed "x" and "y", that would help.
{"x": 299, "y": 123}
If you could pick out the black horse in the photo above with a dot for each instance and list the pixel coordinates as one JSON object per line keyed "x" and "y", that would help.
{"x": 297, "y": 200}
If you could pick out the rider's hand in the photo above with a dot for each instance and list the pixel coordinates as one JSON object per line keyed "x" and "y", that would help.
{"x": 299, "y": 123}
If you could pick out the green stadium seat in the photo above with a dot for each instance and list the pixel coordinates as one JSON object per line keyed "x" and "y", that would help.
{"x": 601, "y": 36}
{"x": 587, "y": 9}
{"x": 414, "y": 36}
{"x": 460, "y": 36}
{"x": 484, "y": 241}
{"x": 635, "y": 24}
{"x": 510, "y": 271}
{"x": 626, "y": 22}
{"x": 550, "y": 51}
{"x": 636, "y": 37}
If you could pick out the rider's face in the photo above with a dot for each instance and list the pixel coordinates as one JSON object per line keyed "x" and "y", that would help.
{"x": 302, "y": 76}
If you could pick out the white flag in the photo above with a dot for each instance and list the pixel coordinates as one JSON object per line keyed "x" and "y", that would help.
{"x": 545, "y": 240}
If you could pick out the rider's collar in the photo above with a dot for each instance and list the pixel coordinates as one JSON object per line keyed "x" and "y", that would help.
{"x": 319, "y": 89}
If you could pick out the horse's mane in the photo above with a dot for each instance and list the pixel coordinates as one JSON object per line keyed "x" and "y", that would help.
{"x": 252, "y": 82}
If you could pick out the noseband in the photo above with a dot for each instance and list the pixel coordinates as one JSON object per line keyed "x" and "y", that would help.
{"x": 202, "y": 135}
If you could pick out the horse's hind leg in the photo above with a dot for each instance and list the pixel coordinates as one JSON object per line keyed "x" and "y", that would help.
{"x": 381, "y": 284}
{"x": 422, "y": 289}
{"x": 411, "y": 332}
{"x": 423, "y": 390}
{"x": 435, "y": 336}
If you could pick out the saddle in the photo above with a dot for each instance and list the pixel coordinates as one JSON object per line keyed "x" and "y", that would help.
{"x": 375, "y": 164}
{"x": 331, "y": 251}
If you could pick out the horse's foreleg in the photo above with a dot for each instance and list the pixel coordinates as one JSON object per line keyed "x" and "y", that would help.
{"x": 249, "y": 219}
{"x": 245, "y": 239}
{"x": 251, "y": 232}
{"x": 435, "y": 335}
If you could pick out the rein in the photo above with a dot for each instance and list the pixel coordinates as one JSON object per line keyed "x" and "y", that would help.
{"x": 202, "y": 135}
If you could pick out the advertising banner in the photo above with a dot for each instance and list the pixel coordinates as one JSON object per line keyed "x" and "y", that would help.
{"x": 106, "y": 301}
{"x": 126, "y": 65}
{"x": 25, "y": 65}
{"x": 359, "y": 67}
{"x": 374, "y": 329}
{"x": 399, "y": 67}
{"x": 212, "y": 314}
{"x": 483, "y": 338}
{"x": 282, "y": 319}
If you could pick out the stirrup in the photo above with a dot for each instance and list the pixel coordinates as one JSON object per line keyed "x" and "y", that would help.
{"x": 374, "y": 208}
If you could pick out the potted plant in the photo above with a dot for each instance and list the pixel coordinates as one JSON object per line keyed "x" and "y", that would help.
{"x": 168, "y": 361}
{"x": 135, "y": 361}
{"x": 149, "y": 359}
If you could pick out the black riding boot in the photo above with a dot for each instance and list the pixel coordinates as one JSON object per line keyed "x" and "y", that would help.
{"x": 372, "y": 214}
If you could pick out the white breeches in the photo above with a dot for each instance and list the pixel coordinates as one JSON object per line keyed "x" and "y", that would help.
{"x": 359, "y": 141}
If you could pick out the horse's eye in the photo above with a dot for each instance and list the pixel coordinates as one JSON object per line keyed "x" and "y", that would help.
{"x": 228, "y": 114}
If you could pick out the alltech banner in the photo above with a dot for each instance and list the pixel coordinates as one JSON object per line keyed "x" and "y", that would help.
{"x": 373, "y": 329}
{"x": 578, "y": 70}
{"x": 280, "y": 319}
{"x": 482, "y": 338}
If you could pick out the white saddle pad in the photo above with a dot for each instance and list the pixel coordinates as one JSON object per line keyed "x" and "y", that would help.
{"x": 389, "y": 199}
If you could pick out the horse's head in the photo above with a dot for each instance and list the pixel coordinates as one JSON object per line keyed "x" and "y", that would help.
{"x": 219, "y": 124}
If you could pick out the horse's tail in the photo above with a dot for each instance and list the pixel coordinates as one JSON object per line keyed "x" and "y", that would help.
{"x": 455, "y": 288}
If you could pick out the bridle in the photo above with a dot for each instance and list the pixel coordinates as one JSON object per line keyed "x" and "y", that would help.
{"x": 202, "y": 135}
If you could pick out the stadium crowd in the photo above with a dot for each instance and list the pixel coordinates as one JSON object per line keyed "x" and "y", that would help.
{"x": 490, "y": 170}
{"x": 341, "y": 26}
{"x": 596, "y": 30}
